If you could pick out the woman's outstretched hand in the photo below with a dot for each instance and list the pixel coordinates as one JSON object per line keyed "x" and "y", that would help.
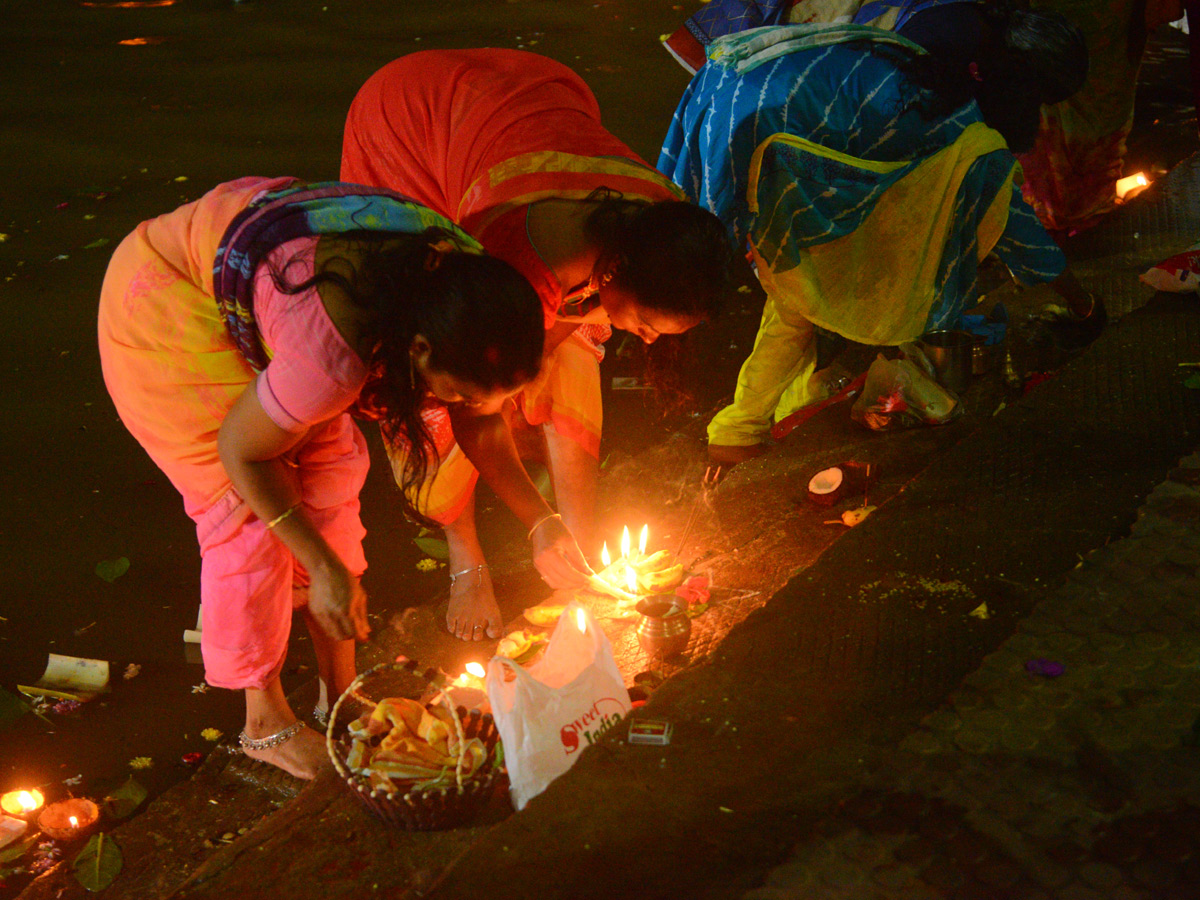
{"x": 337, "y": 601}
{"x": 557, "y": 556}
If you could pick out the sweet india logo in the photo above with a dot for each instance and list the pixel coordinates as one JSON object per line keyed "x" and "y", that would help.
{"x": 603, "y": 715}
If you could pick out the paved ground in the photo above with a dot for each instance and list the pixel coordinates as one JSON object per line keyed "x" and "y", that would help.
{"x": 845, "y": 727}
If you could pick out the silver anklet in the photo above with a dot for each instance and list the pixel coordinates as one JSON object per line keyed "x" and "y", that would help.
{"x": 320, "y": 716}
{"x": 271, "y": 740}
{"x": 454, "y": 576}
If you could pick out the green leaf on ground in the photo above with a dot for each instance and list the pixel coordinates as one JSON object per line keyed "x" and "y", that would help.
{"x": 435, "y": 547}
{"x": 112, "y": 569}
{"x": 12, "y": 707}
{"x": 19, "y": 849}
{"x": 98, "y": 863}
{"x": 125, "y": 799}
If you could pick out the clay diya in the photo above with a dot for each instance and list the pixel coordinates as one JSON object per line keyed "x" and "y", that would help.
{"x": 69, "y": 819}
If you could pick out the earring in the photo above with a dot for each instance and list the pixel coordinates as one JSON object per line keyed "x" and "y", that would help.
{"x": 412, "y": 373}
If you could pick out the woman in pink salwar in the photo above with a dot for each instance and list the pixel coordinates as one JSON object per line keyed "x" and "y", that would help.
{"x": 237, "y": 335}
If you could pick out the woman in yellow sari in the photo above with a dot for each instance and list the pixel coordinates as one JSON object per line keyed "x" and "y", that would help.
{"x": 509, "y": 145}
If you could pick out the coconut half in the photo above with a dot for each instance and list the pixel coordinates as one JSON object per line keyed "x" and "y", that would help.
{"x": 825, "y": 487}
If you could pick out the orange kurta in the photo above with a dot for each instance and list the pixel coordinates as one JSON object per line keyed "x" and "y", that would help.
{"x": 479, "y": 135}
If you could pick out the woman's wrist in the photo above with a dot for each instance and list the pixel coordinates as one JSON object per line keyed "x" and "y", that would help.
{"x": 541, "y": 521}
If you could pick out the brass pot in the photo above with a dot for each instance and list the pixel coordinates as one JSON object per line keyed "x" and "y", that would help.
{"x": 665, "y": 627}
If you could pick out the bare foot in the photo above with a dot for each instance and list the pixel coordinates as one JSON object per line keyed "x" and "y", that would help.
{"x": 473, "y": 613}
{"x": 302, "y": 755}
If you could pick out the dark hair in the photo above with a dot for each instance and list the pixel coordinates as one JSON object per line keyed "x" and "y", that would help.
{"x": 482, "y": 319}
{"x": 671, "y": 255}
{"x": 1025, "y": 58}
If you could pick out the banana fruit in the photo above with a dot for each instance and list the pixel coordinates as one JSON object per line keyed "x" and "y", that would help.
{"x": 544, "y": 615}
{"x": 661, "y": 581}
{"x": 655, "y": 562}
{"x": 518, "y": 644}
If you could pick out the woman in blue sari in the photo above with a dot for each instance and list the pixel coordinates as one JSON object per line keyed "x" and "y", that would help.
{"x": 867, "y": 183}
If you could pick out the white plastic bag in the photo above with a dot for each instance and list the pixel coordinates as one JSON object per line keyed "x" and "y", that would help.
{"x": 900, "y": 393}
{"x": 547, "y": 714}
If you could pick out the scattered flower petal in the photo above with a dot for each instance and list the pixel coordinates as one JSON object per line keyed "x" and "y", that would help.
{"x": 132, "y": 670}
{"x": 694, "y": 590}
{"x": 981, "y": 612}
{"x": 201, "y": 688}
{"x": 211, "y": 734}
{"x": 141, "y": 762}
{"x": 427, "y": 565}
{"x": 63, "y": 707}
{"x": 1047, "y": 668}
{"x": 74, "y": 780}
{"x": 192, "y": 759}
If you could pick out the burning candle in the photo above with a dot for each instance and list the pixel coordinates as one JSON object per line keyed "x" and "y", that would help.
{"x": 22, "y": 803}
{"x": 69, "y": 818}
{"x": 642, "y": 541}
{"x": 625, "y": 543}
{"x": 605, "y": 556}
{"x": 1131, "y": 185}
{"x": 631, "y": 580}
{"x": 581, "y": 621}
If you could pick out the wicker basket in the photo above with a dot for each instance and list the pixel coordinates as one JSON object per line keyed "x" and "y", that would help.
{"x": 423, "y": 810}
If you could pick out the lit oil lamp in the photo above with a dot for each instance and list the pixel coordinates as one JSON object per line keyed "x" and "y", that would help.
{"x": 468, "y": 689}
{"x": 68, "y": 819}
{"x": 473, "y": 677}
{"x": 22, "y": 804}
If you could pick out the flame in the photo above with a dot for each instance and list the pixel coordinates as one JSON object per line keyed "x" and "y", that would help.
{"x": 476, "y": 669}
{"x": 17, "y": 803}
{"x": 642, "y": 540}
{"x": 605, "y": 556}
{"x": 1131, "y": 185}
{"x": 74, "y": 822}
{"x": 141, "y": 41}
{"x": 631, "y": 579}
{"x": 625, "y": 543}
{"x": 581, "y": 620}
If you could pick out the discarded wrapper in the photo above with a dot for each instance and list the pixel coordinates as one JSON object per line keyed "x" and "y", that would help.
{"x": 11, "y": 829}
{"x": 69, "y": 678}
{"x": 650, "y": 731}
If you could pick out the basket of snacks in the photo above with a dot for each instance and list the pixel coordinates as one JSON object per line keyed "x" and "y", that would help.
{"x": 422, "y": 766}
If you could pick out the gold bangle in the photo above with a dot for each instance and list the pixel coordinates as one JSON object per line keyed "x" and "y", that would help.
{"x": 542, "y": 521}
{"x": 283, "y": 515}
